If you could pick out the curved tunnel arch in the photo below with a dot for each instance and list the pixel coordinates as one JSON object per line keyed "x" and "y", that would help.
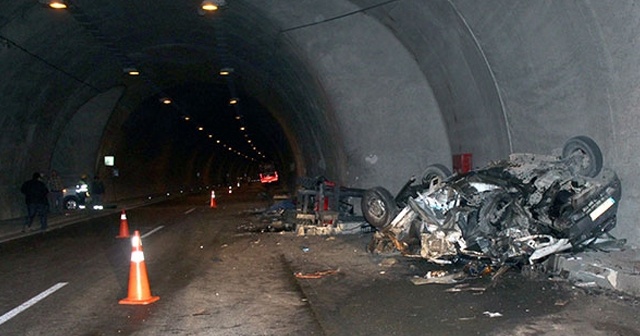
{"x": 365, "y": 92}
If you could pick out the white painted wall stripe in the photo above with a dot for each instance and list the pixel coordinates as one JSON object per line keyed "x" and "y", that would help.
{"x": 19, "y": 309}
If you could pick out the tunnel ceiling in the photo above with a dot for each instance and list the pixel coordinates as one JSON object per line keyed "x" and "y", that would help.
{"x": 201, "y": 113}
{"x": 179, "y": 50}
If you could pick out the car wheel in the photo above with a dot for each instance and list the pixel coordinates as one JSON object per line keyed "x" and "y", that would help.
{"x": 589, "y": 156}
{"x": 378, "y": 207}
{"x": 70, "y": 203}
{"x": 433, "y": 172}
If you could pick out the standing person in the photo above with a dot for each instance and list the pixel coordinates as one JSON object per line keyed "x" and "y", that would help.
{"x": 35, "y": 192}
{"x": 82, "y": 191}
{"x": 54, "y": 183}
{"x": 97, "y": 190}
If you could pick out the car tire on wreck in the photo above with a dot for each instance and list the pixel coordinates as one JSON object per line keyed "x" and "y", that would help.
{"x": 591, "y": 163}
{"x": 434, "y": 171}
{"x": 378, "y": 207}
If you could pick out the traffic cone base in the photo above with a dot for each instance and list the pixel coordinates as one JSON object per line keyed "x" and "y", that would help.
{"x": 139, "y": 291}
{"x": 124, "y": 226}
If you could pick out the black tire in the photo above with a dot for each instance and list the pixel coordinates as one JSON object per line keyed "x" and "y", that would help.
{"x": 70, "y": 203}
{"x": 591, "y": 164}
{"x": 378, "y": 207}
{"x": 434, "y": 171}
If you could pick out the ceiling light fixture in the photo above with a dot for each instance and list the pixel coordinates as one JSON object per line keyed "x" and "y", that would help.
{"x": 209, "y": 6}
{"x": 212, "y": 5}
{"x": 233, "y": 101}
{"x": 131, "y": 71}
{"x": 57, "y": 4}
{"x": 226, "y": 71}
{"x": 165, "y": 100}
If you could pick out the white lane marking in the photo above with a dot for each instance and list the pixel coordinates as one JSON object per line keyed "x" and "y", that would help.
{"x": 189, "y": 211}
{"x": 19, "y": 309}
{"x": 152, "y": 231}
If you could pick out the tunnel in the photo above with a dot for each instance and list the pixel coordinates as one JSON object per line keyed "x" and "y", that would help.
{"x": 362, "y": 92}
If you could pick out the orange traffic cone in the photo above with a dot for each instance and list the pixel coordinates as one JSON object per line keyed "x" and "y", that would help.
{"x": 213, "y": 204}
{"x": 124, "y": 226}
{"x": 139, "y": 292}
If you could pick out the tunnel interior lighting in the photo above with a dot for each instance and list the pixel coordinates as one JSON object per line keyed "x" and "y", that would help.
{"x": 57, "y": 4}
{"x": 131, "y": 71}
{"x": 200, "y": 128}
{"x": 226, "y": 71}
{"x": 209, "y": 6}
{"x": 165, "y": 100}
{"x": 242, "y": 128}
{"x": 233, "y": 101}
{"x": 186, "y": 118}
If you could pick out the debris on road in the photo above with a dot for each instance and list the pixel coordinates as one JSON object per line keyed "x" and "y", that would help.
{"x": 320, "y": 207}
{"x": 439, "y": 277}
{"x": 316, "y": 275}
{"x": 491, "y": 314}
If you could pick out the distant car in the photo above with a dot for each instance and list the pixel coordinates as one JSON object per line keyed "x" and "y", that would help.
{"x": 518, "y": 210}
{"x": 70, "y": 199}
{"x": 269, "y": 177}
{"x": 268, "y": 173}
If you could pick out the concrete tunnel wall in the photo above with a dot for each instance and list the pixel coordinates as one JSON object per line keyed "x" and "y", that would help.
{"x": 383, "y": 92}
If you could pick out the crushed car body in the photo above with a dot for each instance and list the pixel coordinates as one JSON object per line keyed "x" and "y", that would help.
{"x": 518, "y": 210}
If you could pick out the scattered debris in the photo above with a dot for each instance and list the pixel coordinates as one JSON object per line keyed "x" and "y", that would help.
{"x": 438, "y": 278}
{"x": 465, "y": 288}
{"x": 316, "y": 275}
{"x": 490, "y": 314}
{"x": 321, "y": 207}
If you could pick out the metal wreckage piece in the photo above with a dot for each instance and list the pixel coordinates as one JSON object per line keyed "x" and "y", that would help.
{"x": 519, "y": 210}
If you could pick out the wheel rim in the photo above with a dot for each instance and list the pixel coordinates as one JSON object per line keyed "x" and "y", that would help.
{"x": 377, "y": 208}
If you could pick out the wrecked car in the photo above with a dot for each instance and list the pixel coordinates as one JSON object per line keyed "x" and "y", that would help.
{"x": 519, "y": 210}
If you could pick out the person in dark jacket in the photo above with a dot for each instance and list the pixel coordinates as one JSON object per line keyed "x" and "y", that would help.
{"x": 35, "y": 192}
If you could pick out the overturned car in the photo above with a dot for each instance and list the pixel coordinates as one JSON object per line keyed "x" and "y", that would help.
{"x": 518, "y": 210}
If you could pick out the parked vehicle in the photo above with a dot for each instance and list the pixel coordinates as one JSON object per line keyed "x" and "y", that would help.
{"x": 70, "y": 199}
{"x": 518, "y": 210}
{"x": 268, "y": 173}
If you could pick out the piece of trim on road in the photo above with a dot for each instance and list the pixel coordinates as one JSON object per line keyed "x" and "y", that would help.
{"x": 152, "y": 231}
{"x": 189, "y": 211}
{"x": 19, "y": 309}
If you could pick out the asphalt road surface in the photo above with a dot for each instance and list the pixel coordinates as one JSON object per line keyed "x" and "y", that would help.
{"x": 214, "y": 276}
